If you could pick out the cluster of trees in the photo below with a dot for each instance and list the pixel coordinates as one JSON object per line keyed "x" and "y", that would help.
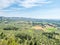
{"x": 34, "y": 38}
{"x": 10, "y": 28}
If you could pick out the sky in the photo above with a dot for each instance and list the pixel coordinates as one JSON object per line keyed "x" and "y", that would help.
{"x": 40, "y": 9}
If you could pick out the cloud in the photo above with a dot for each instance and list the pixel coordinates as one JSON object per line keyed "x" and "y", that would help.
{"x": 23, "y": 3}
{"x": 31, "y": 3}
{"x": 5, "y": 3}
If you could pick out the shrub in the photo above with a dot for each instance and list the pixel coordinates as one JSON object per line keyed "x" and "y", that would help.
{"x": 2, "y": 35}
{"x": 23, "y": 36}
{"x": 10, "y": 28}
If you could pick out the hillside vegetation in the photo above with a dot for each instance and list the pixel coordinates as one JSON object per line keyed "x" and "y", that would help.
{"x": 26, "y": 31}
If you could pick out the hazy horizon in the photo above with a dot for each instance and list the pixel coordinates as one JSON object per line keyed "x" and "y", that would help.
{"x": 30, "y": 18}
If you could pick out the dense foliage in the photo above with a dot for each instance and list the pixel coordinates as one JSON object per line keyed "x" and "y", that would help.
{"x": 30, "y": 38}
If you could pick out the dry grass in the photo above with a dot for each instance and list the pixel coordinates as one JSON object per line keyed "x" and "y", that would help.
{"x": 37, "y": 27}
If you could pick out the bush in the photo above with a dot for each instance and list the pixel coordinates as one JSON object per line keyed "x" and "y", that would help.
{"x": 2, "y": 35}
{"x": 10, "y": 28}
{"x": 23, "y": 36}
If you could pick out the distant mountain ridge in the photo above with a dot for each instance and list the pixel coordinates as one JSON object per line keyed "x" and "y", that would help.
{"x": 26, "y": 19}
